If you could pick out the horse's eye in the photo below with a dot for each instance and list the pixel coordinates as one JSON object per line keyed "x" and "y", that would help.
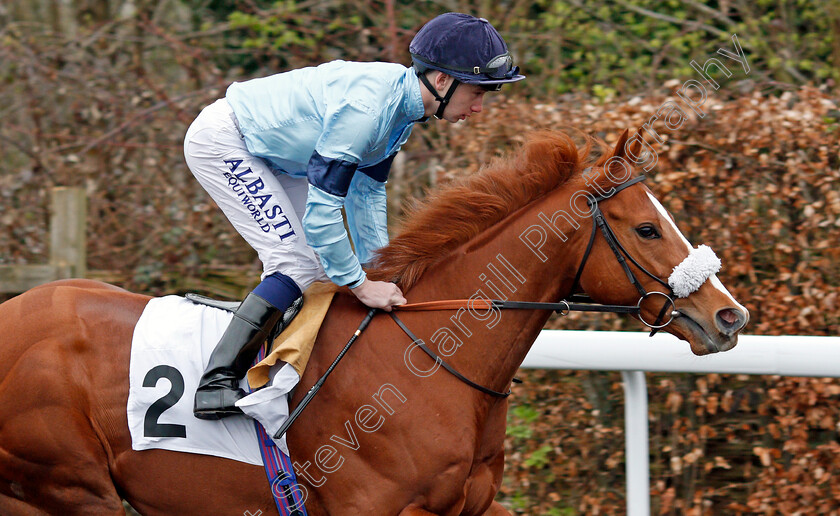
{"x": 648, "y": 231}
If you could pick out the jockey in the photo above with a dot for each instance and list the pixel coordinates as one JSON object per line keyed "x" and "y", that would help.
{"x": 282, "y": 154}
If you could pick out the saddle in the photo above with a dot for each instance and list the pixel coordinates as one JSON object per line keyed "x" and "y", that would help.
{"x": 291, "y": 340}
{"x": 232, "y": 306}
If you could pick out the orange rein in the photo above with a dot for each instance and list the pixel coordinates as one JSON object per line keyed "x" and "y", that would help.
{"x": 446, "y": 304}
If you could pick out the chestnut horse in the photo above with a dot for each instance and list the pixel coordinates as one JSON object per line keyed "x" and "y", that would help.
{"x": 427, "y": 443}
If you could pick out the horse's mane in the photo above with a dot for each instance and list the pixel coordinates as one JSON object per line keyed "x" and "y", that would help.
{"x": 454, "y": 214}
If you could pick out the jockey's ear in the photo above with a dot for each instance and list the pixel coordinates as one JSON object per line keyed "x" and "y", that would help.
{"x": 441, "y": 80}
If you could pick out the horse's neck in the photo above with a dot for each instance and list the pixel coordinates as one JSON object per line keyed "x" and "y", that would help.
{"x": 500, "y": 264}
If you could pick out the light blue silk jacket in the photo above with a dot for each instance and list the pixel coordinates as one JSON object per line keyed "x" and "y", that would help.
{"x": 339, "y": 124}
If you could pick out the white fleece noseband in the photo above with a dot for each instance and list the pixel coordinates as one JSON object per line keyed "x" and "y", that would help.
{"x": 698, "y": 266}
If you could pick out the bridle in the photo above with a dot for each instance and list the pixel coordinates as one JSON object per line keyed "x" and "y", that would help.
{"x": 621, "y": 254}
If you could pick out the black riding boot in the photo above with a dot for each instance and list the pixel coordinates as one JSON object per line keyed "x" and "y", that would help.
{"x": 218, "y": 390}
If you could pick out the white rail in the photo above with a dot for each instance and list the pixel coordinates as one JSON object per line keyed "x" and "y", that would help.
{"x": 633, "y": 353}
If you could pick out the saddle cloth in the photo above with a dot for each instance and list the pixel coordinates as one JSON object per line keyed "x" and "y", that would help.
{"x": 171, "y": 346}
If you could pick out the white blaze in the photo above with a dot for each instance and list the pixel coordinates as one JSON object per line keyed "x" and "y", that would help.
{"x": 713, "y": 279}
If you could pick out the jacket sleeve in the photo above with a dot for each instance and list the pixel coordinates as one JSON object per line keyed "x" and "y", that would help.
{"x": 346, "y": 136}
{"x": 323, "y": 226}
{"x": 367, "y": 210}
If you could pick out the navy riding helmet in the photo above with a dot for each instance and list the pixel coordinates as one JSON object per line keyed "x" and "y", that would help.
{"x": 465, "y": 47}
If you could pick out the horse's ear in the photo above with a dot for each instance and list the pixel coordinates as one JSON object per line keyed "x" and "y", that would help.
{"x": 636, "y": 147}
{"x": 619, "y": 150}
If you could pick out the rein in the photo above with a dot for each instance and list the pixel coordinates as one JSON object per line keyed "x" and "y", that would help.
{"x": 563, "y": 308}
{"x": 420, "y": 344}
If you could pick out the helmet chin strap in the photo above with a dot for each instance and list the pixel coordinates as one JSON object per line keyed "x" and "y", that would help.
{"x": 444, "y": 101}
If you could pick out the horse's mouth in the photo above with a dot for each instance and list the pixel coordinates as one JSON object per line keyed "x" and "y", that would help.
{"x": 701, "y": 341}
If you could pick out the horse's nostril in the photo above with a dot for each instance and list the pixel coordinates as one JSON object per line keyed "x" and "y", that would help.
{"x": 729, "y": 320}
{"x": 728, "y": 317}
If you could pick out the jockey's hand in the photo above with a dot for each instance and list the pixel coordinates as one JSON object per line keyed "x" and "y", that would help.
{"x": 379, "y": 294}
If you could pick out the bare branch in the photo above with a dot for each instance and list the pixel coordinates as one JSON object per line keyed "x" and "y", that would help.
{"x": 712, "y": 12}
{"x": 670, "y": 19}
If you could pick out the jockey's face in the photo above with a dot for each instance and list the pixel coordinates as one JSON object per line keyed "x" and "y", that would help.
{"x": 466, "y": 101}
